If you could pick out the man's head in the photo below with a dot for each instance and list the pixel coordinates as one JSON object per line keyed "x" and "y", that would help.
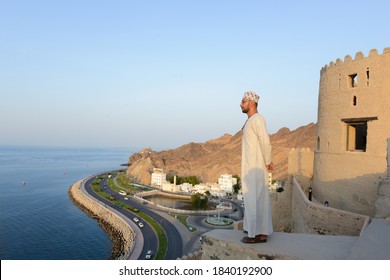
{"x": 249, "y": 103}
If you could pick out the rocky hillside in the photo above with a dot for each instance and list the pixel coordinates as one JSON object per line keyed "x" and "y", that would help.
{"x": 218, "y": 156}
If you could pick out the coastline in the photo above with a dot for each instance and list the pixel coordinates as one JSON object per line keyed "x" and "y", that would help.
{"x": 121, "y": 234}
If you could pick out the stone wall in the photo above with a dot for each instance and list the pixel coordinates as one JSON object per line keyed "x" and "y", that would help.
{"x": 310, "y": 217}
{"x": 281, "y": 209}
{"x": 293, "y": 212}
{"x": 300, "y": 164}
{"x": 382, "y": 209}
{"x": 382, "y": 203}
{"x": 124, "y": 236}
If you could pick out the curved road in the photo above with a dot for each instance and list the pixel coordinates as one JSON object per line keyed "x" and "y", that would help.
{"x": 175, "y": 243}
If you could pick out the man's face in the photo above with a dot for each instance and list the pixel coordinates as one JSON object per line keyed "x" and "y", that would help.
{"x": 245, "y": 104}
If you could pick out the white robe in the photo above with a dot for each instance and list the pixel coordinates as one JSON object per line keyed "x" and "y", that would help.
{"x": 256, "y": 154}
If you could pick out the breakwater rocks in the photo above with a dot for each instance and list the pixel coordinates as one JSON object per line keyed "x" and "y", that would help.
{"x": 121, "y": 234}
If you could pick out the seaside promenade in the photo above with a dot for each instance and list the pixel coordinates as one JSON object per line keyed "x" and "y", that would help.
{"x": 133, "y": 237}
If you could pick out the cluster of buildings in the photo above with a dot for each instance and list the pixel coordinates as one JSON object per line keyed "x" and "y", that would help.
{"x": 223, "y": 188}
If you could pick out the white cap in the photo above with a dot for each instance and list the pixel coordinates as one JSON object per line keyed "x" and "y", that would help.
{"x": 251, "y": 95}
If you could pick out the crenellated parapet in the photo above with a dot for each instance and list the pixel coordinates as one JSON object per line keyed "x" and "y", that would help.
{"x": 358, "y": 56}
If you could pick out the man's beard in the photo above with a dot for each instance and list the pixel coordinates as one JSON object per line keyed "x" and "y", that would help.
{"x": 245, "y": 110}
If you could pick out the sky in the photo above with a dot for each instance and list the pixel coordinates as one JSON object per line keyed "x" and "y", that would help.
{"x": 162, "y": 74}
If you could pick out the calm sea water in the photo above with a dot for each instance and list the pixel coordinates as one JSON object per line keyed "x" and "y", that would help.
{"x": 38, "y": 221}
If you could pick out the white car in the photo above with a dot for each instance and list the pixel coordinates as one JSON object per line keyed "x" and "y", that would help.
{"x": 136, "y": 220}
{"x": 141, "y": 225}
{"x": 149, "y": 255}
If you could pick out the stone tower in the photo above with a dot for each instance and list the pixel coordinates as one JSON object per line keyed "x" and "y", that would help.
{"x": 353, "y": 127}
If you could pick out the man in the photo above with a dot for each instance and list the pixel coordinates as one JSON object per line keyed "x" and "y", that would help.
{"x": 255, "y": 165}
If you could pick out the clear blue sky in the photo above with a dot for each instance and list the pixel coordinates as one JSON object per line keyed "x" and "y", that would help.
{"x": 162, "y": 74}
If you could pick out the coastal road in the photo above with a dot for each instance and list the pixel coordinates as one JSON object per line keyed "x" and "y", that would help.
{"x": 175, "y": 244}
{"x": 175, "y": 247}
{"x": 150, "y": 238}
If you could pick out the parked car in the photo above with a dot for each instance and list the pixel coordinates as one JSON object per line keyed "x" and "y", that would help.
{"x": 141, "y": 225}
{"x": 135, "y": 219}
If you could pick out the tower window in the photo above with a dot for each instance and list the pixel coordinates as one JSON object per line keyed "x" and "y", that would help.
{"x": 353, "y": 80}
{"x": 368, "y": 76}
{"x": 357, "y": 136}
{"x": 357, "y": 133}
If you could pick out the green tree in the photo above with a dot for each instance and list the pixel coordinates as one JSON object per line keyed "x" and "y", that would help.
{"x": 193, "y": 180}
{"x": 237, "y": 187}
{"x": 199, "y": 201}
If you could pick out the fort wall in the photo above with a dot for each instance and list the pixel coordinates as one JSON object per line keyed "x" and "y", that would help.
{"x": 311, "y": 216}
{"x": 314, "y": 218}
{"x": 353, "y": 125}
{"x": 300, "y": 163}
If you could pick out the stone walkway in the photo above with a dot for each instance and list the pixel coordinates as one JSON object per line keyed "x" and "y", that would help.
{"x": 373, "y": 244}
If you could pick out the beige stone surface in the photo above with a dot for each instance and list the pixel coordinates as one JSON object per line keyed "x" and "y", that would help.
{"x": 352, "y": 91}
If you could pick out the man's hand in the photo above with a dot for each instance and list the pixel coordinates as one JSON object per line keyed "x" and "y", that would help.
{"x": 270, "y": 167}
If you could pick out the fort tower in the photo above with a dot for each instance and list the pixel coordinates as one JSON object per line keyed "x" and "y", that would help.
{"x": 353, "y": 127}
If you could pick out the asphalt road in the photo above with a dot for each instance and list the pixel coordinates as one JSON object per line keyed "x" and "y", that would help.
{"x": 175, "y": 243}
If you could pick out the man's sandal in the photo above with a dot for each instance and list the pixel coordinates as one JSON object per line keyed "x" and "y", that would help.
{"x": 256, "y": 239}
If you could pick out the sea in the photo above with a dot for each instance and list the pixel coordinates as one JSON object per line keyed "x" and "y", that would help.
{"x": 38, "y": 220}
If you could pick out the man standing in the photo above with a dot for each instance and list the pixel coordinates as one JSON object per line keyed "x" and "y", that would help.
{"x": 255, "y": 165}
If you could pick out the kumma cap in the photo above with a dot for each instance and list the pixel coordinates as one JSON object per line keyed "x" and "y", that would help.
{"x": 251, "y": 95}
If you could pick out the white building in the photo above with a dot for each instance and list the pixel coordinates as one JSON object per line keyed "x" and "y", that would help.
{"x": 168, "y": 187}
{"x": 186, "y": 187}
{"x": 226, "y": 183}
{"x": 200, "y": 188}
{"x": 158, "y": 177}
{"x": 221, "y": 189}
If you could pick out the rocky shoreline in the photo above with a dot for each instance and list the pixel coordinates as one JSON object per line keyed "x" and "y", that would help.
{"x": 121, "y": 234}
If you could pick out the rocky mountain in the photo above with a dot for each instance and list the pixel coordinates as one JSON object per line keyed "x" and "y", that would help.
{"x": 218, "y": 156}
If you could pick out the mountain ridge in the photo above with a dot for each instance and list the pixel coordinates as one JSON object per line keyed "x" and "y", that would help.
{"x": 218, "y": 156}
